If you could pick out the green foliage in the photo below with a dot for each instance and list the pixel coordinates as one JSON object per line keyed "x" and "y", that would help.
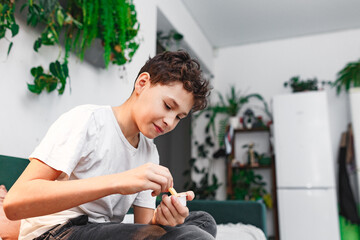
{"x": 298, "y": 85}
{"x": 169, "y": 39}
{"x": 7, "y": 21}
{"x": 206, "y": 188}
{"x": 114, "y": 22}
{"x": 230, "y": 106}
{"x": 247, "y": 185}
{"x": 59, "y": 74}
{"x": 234, "y": 101}
{"x": 348, "y": 77}
{"x": 223, "y": 124}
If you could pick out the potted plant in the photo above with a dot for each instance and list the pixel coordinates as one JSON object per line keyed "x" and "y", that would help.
{"x": 298, "y": 85}
{"x": 172, "y": 38}
{"x": 348, "y": 77}
{"x": 250, "y": 186}
{"x": 230, "y": 105}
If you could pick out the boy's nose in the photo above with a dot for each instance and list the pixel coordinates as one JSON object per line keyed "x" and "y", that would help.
{"x": 170, "y": 123}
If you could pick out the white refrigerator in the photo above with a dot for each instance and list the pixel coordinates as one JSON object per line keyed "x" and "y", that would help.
{"x": 305, "y": 175}
{"x": 355, "y": 121}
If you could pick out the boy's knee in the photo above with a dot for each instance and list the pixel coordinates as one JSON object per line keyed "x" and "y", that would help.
{"x": 188, "y": 232}
{"x": 193, "y": 232}
{"x": 202, "y": 220}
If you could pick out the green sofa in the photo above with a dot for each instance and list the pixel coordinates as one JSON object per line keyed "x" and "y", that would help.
{"x": 233, "y": 211}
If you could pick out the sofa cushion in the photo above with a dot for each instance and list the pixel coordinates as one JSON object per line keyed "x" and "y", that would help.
{"x": 10, "y": 169}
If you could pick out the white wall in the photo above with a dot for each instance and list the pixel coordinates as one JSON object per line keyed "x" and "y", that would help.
{"x": 182, "y": 21}
{"x": 25, "y": 117}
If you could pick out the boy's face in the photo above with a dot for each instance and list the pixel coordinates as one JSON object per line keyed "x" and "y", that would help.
{"x": 159, "y": 108}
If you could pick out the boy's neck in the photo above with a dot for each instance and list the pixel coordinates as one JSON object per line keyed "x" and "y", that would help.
{"x": 127, "y": 125}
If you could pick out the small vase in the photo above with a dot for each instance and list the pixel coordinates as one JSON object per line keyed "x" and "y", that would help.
{"x": 248, "y": 124}
{"x": 234, "y": 122}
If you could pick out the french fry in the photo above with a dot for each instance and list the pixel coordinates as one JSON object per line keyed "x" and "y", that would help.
{"x": 173, "y": 191}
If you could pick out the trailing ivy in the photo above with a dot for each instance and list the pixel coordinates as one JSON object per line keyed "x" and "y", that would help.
{"x": 7, "y": 21}
{"x": 114, "y": 22}
{"x": 206, "y": 187}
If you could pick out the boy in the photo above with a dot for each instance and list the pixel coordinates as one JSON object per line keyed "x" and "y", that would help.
{"x": 96, "y": 162}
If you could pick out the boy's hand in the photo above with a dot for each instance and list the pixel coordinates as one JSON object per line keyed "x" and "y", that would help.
{"x": 145, "y": 177}
{"x": 170, "y": 212}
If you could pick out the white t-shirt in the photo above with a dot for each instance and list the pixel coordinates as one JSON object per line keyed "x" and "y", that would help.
{"x": 87, "y": 142}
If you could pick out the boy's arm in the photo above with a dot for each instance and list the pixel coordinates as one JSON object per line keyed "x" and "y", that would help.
{"x": 143, "y": 215}
{"x": 36, "y": 193}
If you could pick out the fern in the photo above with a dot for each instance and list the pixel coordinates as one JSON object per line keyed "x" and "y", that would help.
{"x": 107, "y": 24}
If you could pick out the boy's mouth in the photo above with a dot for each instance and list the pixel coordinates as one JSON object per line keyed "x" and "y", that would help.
{"x": 158, "y": 129}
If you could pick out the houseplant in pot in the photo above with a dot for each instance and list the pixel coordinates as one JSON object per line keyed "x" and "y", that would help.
{"x": 299, "y": 85}
{"x": 348, "y": 77}
{"x": 230, "y": 106}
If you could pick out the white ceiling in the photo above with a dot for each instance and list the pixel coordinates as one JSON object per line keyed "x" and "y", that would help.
{"x": 237, "y": 22}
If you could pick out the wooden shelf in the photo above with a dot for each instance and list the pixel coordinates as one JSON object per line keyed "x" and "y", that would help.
{"x": 251, "y": 167}
{"x": 233, "y": 167}
{"x": 240, "y": 130}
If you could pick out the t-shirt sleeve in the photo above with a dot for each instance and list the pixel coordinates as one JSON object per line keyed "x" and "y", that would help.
{"x": 144, "y": 198}
{"x": 68, "y": 140}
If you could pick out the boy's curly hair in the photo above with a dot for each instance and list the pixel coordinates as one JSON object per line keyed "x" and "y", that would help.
{"x": 168, "y": 67}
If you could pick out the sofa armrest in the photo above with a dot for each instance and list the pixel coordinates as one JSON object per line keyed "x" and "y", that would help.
{"x": 10, "y": 169}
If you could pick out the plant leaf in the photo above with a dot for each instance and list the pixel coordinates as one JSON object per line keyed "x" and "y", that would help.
{"x": 14, "y": 29}
{"x": 9, "y": 49}
{"x": 60, "y": 17}
{"x": 34, "y": 89}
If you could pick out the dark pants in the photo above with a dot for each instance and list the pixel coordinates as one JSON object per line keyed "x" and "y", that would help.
{"x": 198, "y": 225}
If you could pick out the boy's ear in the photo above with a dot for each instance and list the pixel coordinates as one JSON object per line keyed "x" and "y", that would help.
{"x": 142, "y": 81}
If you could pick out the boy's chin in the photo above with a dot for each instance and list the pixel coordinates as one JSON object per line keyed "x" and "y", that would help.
{"x": 150, "y": 136}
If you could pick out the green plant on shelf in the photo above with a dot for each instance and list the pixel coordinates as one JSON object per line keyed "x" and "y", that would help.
{"x": 254, "y": 158}
{"x": 247, "y": 185}
{"x": 229, "y": 105}
{"x": 299, "y": 85}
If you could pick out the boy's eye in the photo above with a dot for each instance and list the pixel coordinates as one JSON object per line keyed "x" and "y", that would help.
{"x": 167, "y": 106}
{"x": 178, "y": 117}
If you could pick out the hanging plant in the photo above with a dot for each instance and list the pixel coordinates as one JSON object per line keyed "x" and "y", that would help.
{"x": 114, "y": 22}
{"x": 7, "y": 21}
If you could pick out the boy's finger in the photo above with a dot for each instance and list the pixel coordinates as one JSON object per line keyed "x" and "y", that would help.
{"x": 161, "y": 170}
{"x": 190, "y": 195}
{"x": 155, "y": 187}
{"x": 178, "y": 208}
{"x": 167, "y": 201}
{"x": 159, "y": 180}
{"x": 166, "y": 177}
{"x": 160, "y": 218}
